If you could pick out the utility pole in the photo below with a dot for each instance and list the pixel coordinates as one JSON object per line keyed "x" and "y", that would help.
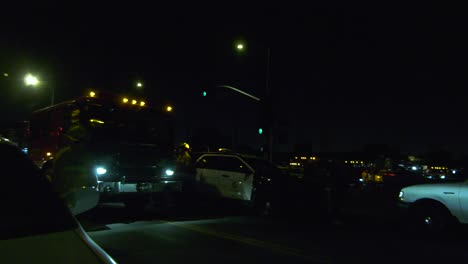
{"x": 269, "y": 108}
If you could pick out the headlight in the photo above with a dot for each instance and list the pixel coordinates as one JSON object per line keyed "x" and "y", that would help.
{"x": 169, "y": 172}
{"x": 401, "y": 195}
{"x": 101, "y": 170}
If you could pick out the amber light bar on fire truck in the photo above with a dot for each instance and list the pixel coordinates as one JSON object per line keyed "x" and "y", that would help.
{"x": 135, "y": 102}
{"x": 124, "y": 100}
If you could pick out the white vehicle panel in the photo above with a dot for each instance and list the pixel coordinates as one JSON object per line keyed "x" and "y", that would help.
{"x": 446, "y": 193}
{"x": 464, "y": 202}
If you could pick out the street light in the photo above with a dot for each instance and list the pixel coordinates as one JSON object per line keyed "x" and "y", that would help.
{"x": 240, "y": 45}
{"x": 267, "y": 100}
{"x": 31, "y": 80}
{"x": 139, "y": 85}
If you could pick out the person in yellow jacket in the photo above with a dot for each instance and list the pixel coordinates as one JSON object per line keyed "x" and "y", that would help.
{"x": 183, "y": 157}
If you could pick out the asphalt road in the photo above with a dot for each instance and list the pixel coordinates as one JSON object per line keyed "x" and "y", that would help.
{"x": 228, "y": 235}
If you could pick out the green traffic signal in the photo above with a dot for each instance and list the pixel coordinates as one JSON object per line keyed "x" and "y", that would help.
{"x": 260, "y": 131}
{"x": 204, "y": 93}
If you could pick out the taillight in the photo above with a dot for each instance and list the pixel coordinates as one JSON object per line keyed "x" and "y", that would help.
{"x": 389, "y": 174}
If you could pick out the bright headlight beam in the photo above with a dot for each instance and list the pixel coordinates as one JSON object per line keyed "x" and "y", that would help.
{"x": 169, "y": 172}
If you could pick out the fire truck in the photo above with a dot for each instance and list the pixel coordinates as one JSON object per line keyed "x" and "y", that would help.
{"x": 133, "y": 143}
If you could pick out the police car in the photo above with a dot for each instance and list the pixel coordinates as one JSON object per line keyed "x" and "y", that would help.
{"x": 240, "y": 177}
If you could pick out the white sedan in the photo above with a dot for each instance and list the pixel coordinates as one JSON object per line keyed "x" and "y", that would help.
{"x": 436, "y": 206}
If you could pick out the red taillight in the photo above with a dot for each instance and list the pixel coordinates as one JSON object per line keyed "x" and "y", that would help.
{"x": 389, "y": 174}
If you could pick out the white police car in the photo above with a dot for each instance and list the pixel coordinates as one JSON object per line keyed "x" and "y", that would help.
{"x": 240, "y": 177}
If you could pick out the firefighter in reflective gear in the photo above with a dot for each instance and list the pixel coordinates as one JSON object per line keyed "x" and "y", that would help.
{"x": 185, "y": 167}
{"x": 183, "y": 157}
{"x": 73, "y": 164}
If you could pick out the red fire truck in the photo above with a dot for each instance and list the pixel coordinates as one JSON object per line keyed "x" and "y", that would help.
{"x": 133, "y": 144}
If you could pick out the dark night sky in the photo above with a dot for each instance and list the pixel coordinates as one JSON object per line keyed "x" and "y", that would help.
{"x": 349, "y": 75}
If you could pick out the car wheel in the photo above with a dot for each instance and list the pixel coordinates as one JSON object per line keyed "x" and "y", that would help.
{"x": 431, "y": 217}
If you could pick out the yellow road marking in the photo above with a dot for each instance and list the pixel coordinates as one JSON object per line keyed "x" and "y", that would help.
{"x": 254, "y": 242}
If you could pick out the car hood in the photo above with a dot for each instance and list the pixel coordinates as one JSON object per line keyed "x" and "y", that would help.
{"x": 433, "y": 186}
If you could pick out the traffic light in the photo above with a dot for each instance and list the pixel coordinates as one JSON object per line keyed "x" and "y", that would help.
{"x": 260, "y": 131}
{"x": 204, "y": 93}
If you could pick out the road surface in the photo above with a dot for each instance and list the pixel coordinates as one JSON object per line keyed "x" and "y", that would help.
{"x": 230, "y": 236}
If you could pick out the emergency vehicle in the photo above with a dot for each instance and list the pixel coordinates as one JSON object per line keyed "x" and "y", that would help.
{"x": 132, "y": 148}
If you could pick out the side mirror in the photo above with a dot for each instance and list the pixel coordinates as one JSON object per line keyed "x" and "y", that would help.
{"x": 82, "y": 199}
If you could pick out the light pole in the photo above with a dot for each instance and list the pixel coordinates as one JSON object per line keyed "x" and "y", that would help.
{"x": 238, "y": 91}
{"x": 268, "y": 99}
{"x": 269, "y": 106}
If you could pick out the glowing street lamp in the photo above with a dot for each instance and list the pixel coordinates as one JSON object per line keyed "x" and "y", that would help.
{"x": 31, "y": 80}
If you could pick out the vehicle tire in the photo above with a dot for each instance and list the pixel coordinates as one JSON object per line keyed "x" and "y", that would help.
{"x": 431, "y": 218}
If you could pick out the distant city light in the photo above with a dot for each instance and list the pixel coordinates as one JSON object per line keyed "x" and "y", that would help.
{"x": 414, "y": 168}
{"x": 240, "y": 46}
{"x": 125, "y": 100}
{"x": 169, "y": 109}
{"x": 92, "y": 94}
{"x": 134, "y": 101}
{"x": 139, "y": 84}
{"x": 142, "y": 103}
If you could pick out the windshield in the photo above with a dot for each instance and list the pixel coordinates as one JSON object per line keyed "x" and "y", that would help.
{"x": 142, "y": 126}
